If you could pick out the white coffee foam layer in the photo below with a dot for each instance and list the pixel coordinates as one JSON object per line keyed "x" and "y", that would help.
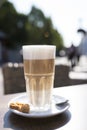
{"x": 39, "y": 52}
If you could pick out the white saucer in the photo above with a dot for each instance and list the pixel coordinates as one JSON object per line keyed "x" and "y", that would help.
{"x": 55, "y": 108}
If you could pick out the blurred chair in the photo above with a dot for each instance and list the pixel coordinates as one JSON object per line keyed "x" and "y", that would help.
{"x": 61, "y": 76}
{"x": 13, "y": 76}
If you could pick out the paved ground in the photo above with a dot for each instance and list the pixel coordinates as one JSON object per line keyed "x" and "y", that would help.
{"x": 63, "y": 61}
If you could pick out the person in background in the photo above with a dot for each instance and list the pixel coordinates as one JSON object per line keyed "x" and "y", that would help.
{"x": 72, "y": 55}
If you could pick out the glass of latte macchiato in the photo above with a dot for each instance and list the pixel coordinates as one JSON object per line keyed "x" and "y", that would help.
{"x": 39, "y": 68}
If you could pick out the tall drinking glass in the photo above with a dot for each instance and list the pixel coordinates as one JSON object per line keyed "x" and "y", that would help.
{"x": 39, "y": 68}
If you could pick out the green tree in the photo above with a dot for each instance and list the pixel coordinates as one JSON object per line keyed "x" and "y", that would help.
{"x": 34, "y": 28}
{"x": 42, "y": 30}
{"x": 13, "y": 24}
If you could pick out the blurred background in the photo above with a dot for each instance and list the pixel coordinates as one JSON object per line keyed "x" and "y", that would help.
{"x": 61, "y": 23}
{"x": 19, "y": 28}
{"x": 37, "y": 22}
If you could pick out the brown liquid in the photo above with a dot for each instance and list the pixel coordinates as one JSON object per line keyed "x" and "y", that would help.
{"x": 39, "y": 66}
{"x": 39, "y": 75}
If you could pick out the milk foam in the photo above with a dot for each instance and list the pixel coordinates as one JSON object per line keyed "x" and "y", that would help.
{"x": 39, "y": 52}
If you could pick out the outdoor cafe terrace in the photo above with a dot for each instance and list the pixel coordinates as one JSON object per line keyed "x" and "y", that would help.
{"x": 71, "y": 115}
{"x": 12, "y": 75}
